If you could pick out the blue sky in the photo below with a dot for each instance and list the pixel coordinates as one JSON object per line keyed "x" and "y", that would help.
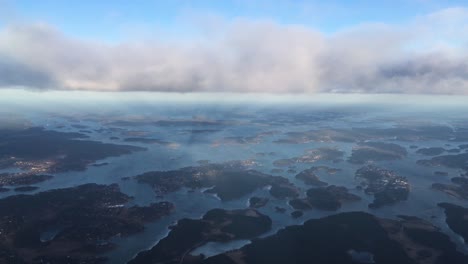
{"x": 113, "y": 20}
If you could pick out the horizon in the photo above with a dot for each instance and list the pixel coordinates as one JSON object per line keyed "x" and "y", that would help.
{"x": 233, "y": 132}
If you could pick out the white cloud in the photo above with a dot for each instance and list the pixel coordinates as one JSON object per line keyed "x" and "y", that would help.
{"x": 426, "y": 55}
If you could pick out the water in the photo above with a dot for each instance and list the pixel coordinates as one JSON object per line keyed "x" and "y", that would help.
{"x": 238, "y": 118}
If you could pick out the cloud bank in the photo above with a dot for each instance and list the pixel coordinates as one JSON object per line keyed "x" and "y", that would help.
{"x": 428, "y": 54}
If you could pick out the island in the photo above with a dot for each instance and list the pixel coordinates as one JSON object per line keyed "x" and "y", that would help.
{"x": 457, "y": 219}
{"x": 386, "y": 186}
{"x": 280, "y": 210}
{"x": 310, "y": 178}
{"x": 328, "y": 198}
{"x": 229, "y": 181}
{"x": 410, "y": 133}
{"x": 376, "y": 151}
{"x": 458, "y": 189}
{"x": 312, "y": 156}
{"x": 452, "y": 161}
{"x": 433, "y": 151}
{"x": 349, "y": 238}
{"x": 255, "y": 139}
{"x": 146, "y": 140}
{"x": 296, "y": 214}
{"x": 257, "y": 202}
{"x": 26, "y": 188}
{"x": 277, "y": 171}
{"x": 22, "y": 178}
{"x": 453, "y": 150}
{"x": 53, "y": 151}
{"x": 73, "y": 224}
{"x": 216, "y": 225}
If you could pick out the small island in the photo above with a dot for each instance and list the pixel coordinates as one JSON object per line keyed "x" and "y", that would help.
{"x": 146, "y": 140}
{"x": 386, "y": 186}
{"x": 457, "y": 161}
{"x": 441, "y": 173}
{"x": 257, "y": 202}
{"x": 433, "y": 151}
{"x": 312, "y": 156}
{"x": 328, "y": 198}
{"x": 376, "y": 151}
{"x": 309, "y": 177}
{"x": 296, "y": 214}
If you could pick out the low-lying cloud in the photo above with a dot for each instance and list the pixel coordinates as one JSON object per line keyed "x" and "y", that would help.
{"x": 425, "y": 55}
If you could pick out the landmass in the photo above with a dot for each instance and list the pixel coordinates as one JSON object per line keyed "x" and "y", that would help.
{"x": 376, "y": 151}
{"x": 312, "y": 156}
{"x": 53, "y": 151}
{"x": 458, "y": 161}
{"x": 168, "y": 122}
{"x": 200, "y": 131}
{"x": 309, "y": 177}
{"x": 100, "y": 164}
{"x": 77, "y": 126}
{"x": 277, "y": 171}
{"x": 228, "y": 181}
{"x": 350, "y": 238}
{"x": 458, "y": 189}
{"x": 463, "y": 146}
{"x": 325, "y": 198}
{"x": 146, "y": 140}
{"x": 402, "y": 133}
{"x": 457, "y": 219}
{"x": 386, "y": 186}
{"x": 433, "y": 151}
{"x": 296, "y": 214}
{"x": 256, "y": 139}
{"x": 280, "y": 210}
{"x": 14, "y": 179}
{"x": 82, "y": 221}
{"x": 257, "y": 202}
{"x": 216, "y": 225}
{"x": 454, "y": 150}
{"x": 26, "y": 188}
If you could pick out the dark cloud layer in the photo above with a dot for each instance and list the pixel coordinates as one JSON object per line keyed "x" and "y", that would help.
{"x": 17, "y": 74}
{"x": 421, "y": 56}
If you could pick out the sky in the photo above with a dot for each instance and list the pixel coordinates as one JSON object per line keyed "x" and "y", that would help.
{"x": 236, "y": 46}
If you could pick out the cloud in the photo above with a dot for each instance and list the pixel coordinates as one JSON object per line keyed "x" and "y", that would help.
{"x": 425, "y": 55}
{"x": 14, "y": 73}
